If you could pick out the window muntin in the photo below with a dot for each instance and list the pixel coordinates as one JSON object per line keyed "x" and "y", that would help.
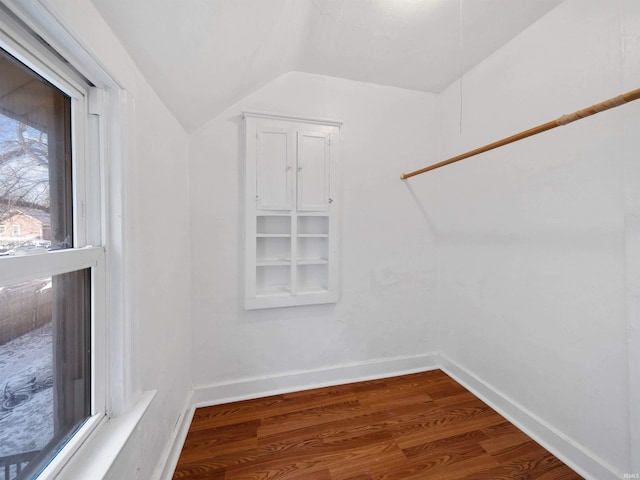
{"x": 76, "y": 273}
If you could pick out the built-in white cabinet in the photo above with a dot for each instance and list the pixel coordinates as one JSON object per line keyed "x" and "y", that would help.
{"x": 291, "y": 199}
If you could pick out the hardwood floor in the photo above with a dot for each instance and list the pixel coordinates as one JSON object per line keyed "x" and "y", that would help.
{"x": 421, "y": 426}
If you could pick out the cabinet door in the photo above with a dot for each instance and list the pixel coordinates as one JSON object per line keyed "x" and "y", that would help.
{"x": 274, "y": 169}
{"x": 314, "y": 158}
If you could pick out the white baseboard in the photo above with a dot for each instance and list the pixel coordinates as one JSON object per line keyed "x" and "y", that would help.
{"x": 174, "y": 446}
{"x": 291, "y": 382}
{"x": 304, "y": 380}
{"x": 571, "y": 453}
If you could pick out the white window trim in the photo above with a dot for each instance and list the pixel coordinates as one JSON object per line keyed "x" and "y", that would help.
{"x": 109, "y": 109}
{"x": 114, "y": 109}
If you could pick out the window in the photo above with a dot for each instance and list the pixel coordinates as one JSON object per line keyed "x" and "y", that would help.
{"x": 3, "y": 229}
{"x": 50, "y": 283}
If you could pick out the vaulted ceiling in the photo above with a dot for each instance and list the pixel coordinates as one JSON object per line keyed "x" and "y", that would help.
{"x": 202, "y": 56}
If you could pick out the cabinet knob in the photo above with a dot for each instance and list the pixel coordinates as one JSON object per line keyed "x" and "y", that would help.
{"x": 330, "y": 200}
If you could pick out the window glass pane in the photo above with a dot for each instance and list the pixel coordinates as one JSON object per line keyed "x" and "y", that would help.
{"x": 35, "y": 161}
{"x": 45, "y": 382}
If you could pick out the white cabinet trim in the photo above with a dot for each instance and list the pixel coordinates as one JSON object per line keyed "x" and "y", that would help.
{"x": 294, "y": 118}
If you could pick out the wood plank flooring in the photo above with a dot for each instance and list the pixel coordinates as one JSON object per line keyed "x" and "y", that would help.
{"x": 413, "y": 427}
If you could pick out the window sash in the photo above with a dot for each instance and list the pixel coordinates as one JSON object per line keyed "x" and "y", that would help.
{"x": 18, "y": 269}
{"x": 87, "y": 186}
{"x": 30, "y": 267}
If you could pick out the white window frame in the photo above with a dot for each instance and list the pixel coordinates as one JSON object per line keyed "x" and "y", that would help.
{"x": 112, "y": 113}
{"x": 92, "y": 231}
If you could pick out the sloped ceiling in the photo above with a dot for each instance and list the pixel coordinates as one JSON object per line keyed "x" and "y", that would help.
{"x": 201, "y": 56}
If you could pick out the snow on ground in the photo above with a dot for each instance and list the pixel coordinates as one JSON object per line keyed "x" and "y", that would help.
{"x": 29, "y": 425}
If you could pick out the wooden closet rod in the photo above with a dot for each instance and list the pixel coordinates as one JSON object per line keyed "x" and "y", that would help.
{"x": 558, "y": 122}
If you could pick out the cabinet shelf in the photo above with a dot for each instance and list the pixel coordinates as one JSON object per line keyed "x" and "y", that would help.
{"x": 312, "y": 261}
{"x": 313, "y": 235}
{"x": 272, "y": 292}
{"x": 273, "y": 262}
{"x": 312, "y": 291}
{"x": 273, "y": 235}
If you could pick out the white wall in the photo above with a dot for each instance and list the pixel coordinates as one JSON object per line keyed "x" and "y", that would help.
{"x": 155, "y": 195}
{"x": 533, "y": 267}
{"x": 162, "y": 312}
{"x": 528, "y": 286}
{"x": 388, "y": 257}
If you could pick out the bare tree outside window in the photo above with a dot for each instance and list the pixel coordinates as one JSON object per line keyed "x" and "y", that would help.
{"x": 24, "y": 186}
{"x": 24, "y": 170}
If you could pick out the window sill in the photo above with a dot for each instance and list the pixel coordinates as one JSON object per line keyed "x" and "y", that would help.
{"x": 95, "y": 457}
